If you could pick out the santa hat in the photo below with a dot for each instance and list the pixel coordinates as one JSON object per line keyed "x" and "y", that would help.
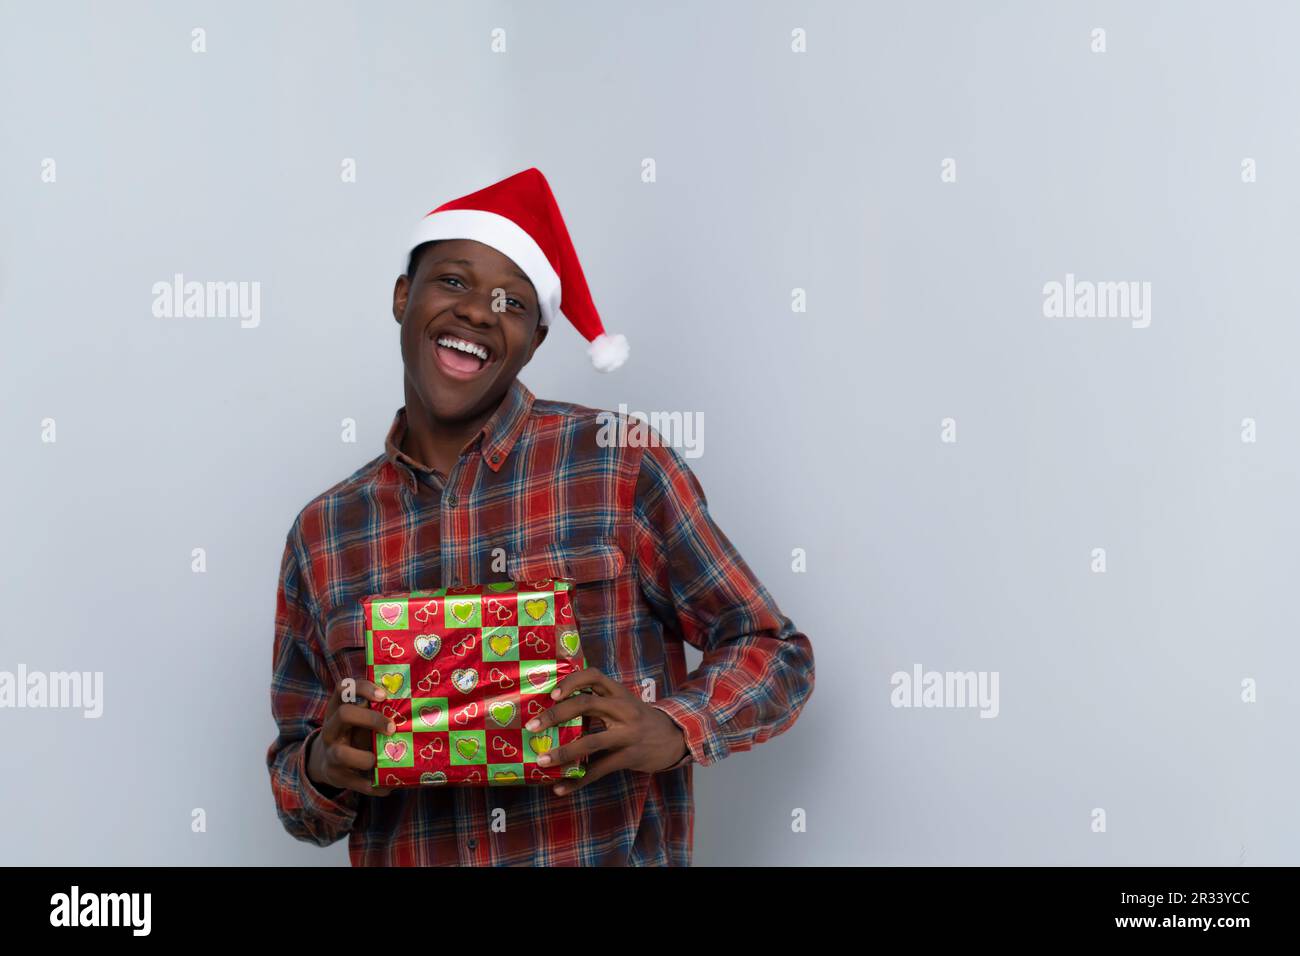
{"x": 520, "y": 219}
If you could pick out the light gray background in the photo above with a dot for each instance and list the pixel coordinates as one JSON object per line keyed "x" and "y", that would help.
{"x": 775, "y": 171}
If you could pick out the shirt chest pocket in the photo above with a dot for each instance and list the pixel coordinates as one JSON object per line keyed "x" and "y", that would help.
{"x": 594, "y": 569}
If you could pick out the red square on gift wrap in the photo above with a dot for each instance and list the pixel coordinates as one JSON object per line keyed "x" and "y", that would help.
{"x": 398, "y": 711}
{"x": 500, "y": 610}
{"x": 537, "y": 643}
{"x": 430, "y": 651}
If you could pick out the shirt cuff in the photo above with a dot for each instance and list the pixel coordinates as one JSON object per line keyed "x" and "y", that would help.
{"x": 697, "y": 730}
{"x": 338, "y": 806}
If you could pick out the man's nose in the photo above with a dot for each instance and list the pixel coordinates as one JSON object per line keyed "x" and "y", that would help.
{"x": 476, "y": 308}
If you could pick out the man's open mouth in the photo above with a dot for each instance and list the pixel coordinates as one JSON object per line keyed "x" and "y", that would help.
{"x": 461, "y": 358}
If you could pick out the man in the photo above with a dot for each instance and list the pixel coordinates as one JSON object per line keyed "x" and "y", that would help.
{"x": 480, "y": 482}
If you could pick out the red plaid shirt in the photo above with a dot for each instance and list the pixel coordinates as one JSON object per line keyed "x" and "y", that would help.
{"x": 534, "y": 495}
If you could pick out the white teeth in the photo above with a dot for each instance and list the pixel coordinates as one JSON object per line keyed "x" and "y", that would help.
{"x": 452, "y": 342}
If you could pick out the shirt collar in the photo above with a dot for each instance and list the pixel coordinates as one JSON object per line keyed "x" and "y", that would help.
{"x": 495, "y": 439}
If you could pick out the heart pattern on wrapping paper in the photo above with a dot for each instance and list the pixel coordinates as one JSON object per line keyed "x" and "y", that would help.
{"x": 433, "y": 779}
{"x": 540, "y": 774}
{"x": 569, "y": 642}
{"x": 504, "y": 747}
{"x": 428, "y": 646}
{"x": 474, "y": 776}
{"x": 462, "y": 611}
{"x": 538, "y": 678}
{"x": 533, "y": 708}
{"x": 499, "y": 677}
{"x": 395, "y": 750}
{"x": 429, "y": 681}
{"x": 393, "y": 714}
{"x": 464, "y": 679}
{"x": 429, "y": 715}
{"x": 467, "y": 713}
{"x": 498, "y": 609}
{"x": 463, "y": 647}
{"x": 392, "y": 780}
{"x": 538, "y": 643}
{"x": 390, "y": 613}
{"x": 566, "y": 612}
{"x": 501, "y": 644}
{"x": 536, "y": 608}
{"x": 429, "y": 612}
{"x": 503, "y": 711}
{"x": 467, "y": 747}
{"x": 390, "y": 647}
{"x": 540, "y": 743}
{"x": 501, "y": 586}
{"x": 392, "y": 682}
{"x": 506, "y": 776}
{"x": 429, "y": 750}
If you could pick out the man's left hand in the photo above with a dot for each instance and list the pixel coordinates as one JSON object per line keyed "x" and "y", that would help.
{"x": 637, "y": 735}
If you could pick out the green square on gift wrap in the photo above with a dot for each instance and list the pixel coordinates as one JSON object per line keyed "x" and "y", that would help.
{"x": 500, "y": 643}
{"x": 395, "y": 751}
{"x": 388, "y": 615}
{"x": 462, "y": 610}
{"x": 395, "y": 679}
{"x": 543, "y": 741}
{"x": 468, "y": 747}
{"x": 503, "y": 713}
{"x": 535, "y": 608}
{"x": 537, "y": 677}
{"x": 569, "y": 642}
{"x": 428, "y": 714}
{"x": 505, "y": 774}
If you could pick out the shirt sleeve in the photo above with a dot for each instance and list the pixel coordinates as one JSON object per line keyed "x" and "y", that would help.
{"x": 300, "y": 691}
{"x": 757, "y": 672}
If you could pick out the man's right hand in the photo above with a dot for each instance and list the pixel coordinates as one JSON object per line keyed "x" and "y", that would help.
{"x": 342, "y": 755}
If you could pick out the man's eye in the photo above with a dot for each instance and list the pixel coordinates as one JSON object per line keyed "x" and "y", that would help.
{"x": 516, "y": 302}
{"x": 449, "y": 279}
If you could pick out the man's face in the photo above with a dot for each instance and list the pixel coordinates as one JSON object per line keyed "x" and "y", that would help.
{"x": 465, "y": 298}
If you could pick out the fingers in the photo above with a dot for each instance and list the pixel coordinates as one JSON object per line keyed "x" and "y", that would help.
{"x": 363, "y": 783}
{"x": 583, "y": 704}
{"x": 364, "y": 690}
{"x": 355, "y": 715}
{"x": 340, "y": 754}
{"x": 576, "y": 749}
{"x": 595, "y": 770}
{"x": 589, "y": 678}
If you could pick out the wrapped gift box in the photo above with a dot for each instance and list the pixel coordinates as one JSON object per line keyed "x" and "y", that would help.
{"x": 464, "y": 669}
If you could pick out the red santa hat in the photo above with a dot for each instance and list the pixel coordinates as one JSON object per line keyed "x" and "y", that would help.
{"x": 520, "y": 219}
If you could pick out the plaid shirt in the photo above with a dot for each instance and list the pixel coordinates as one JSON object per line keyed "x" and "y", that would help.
{"x": 536, "y": 494}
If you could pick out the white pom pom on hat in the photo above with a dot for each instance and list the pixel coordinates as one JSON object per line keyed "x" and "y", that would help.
{"x": 519, "y": 217}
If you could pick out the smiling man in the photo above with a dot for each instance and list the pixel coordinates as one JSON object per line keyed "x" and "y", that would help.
{"x": 480, "y": 481}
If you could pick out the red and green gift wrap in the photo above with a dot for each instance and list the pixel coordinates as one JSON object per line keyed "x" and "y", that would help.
{"x": 464, "y": 669}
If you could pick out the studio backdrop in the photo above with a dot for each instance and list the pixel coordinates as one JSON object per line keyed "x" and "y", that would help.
{"x": 977, "y": 321}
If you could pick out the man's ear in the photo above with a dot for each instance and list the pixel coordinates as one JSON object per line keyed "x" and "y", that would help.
{"x": 400, "y": 292}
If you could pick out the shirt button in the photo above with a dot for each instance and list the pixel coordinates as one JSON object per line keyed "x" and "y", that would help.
{"x": 496, "y": 459}
{"x": 451, "y": 501}
{"x": 472, "y": 844}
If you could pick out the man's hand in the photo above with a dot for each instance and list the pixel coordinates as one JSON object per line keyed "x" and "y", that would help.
{"x": 341, "y": 755}
{"x": 637, "y": 736}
